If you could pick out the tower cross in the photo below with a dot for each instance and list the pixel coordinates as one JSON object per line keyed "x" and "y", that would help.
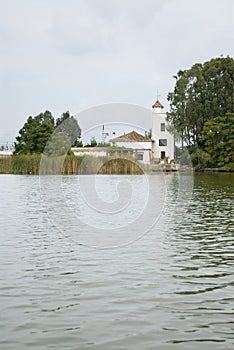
{"x": 157, "y": 96}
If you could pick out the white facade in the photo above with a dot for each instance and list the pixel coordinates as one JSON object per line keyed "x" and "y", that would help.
{"x": 134, "y": 144}
{"x": 163, "y": 140}
{"x": 5, "y": 153}
{"x": 90, "y": 151}
{"x": 143, "y": 155}
{"x": 142, "y": 150}
{"x": 141, "y": 146}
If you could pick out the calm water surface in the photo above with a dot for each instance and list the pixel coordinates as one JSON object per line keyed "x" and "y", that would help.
{"x": 172, "y": 289}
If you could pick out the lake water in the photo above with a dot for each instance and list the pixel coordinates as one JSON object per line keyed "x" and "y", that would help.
{"x": 151, "y": 268}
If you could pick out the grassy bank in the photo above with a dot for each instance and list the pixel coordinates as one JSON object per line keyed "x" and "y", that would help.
{"x": 36, "y": 163}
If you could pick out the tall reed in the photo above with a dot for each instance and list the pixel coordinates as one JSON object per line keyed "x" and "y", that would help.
{"x": 6, "y": 165}
{"x": 25, "y": 164}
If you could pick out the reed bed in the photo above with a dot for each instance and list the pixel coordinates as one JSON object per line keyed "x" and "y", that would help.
{"x": 6, "y": 165}
{"x": 34, "y": 164}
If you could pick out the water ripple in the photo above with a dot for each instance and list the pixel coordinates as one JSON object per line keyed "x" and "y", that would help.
{"x": 173, "y": 289}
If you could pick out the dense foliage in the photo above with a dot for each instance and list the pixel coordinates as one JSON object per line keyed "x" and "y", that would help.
{"x": 36, "y": 132}
{"x": 218, "y": 140}
{"x": 202, "y": 110}
{"x": 201, "y": 93}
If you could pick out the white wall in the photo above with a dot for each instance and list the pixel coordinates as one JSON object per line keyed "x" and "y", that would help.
{"x": 158, "y": 117}
{"x": 133, "y": 144}
{"x": 91, "y": 151}
{"x": 100, "y": 152}
{"x": 139, "y": 147}
{"x": 146, "y": 155}
{"x": 6, "y": 153}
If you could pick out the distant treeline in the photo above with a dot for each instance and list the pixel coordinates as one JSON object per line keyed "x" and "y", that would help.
{"x": 35, "y": 164}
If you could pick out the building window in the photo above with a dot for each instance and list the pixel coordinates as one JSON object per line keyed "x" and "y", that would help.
{"x": 163, "y": 126}
{"x": 162, "y": 142}
{"x": 139, "y": 156}
{"x": 163, "y": 154}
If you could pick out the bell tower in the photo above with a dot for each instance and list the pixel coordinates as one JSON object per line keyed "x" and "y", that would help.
{"x": 157, "y": 107}
{"x": 163, "y": 140}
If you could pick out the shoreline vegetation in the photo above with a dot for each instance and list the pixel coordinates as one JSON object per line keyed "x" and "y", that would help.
{"x": 35, "y": 164}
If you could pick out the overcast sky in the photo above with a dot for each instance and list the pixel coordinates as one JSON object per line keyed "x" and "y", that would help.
{"x": 74, "y": 54}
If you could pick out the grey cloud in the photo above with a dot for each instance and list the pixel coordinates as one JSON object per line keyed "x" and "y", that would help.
{"x": 103, "y": 26}
{"x": 81, "y": 35}
{"x": 138, "y": 13}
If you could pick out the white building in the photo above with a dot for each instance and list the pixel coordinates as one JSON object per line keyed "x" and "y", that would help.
{"x": 161, "y": 145}
{"x": 5, "y": 153}
{"x": 90, "y": 151}
{"x": 163, "y": 140}
{"x": 158, "y": 148}
{"x": 141, "y": 145}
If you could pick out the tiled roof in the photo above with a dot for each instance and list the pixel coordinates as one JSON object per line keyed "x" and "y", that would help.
{"x": 157, "y": 104}
{"x": 131, "y": 136}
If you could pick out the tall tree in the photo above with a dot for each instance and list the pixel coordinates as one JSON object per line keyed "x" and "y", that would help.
{"x": 36, "y": 132}
{"x": 57, "y": 145}
{"x": 69, "y": 125}
{"x": 218, "y": 140}
{"x": 201, "y": 93}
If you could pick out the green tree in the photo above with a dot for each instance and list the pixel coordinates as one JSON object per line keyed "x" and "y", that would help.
{"x": 79, "y": 143}
{"x": 34, "y": 134}
{"x": 93, "y": 143}
{"x": 201, "y": 93}
{"x": 37, "y": 130}
{"x": 218, "y": 140}
{"x": 69, "y": 125}
{"x": 57, "y": 145}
